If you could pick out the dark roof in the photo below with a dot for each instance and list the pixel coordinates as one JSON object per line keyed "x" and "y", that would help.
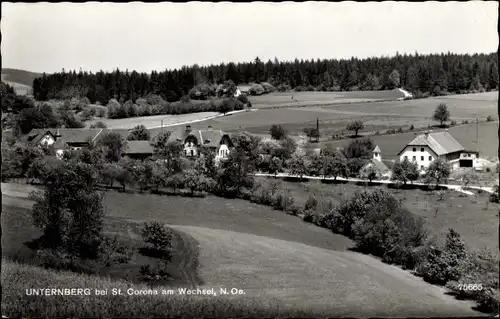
{"x": 208, "y": 138}
{"x": 68, "y": 135}
{"x": 440, "y": 142}
{"x": 139, "y": 147}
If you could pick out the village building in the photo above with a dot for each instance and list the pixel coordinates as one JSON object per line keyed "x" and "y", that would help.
{"x": 139, "y": 150}
{"x": 194, "y": 140}
{"x": 376, "y": 162}
{"x": 426, "y": 148}
{"x": 61, "y": 139}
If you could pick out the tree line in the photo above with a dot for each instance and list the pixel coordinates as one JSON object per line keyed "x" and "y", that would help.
{"x": 433, "y": 73}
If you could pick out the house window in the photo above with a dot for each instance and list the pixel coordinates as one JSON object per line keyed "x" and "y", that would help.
{"x": 421, "y": 158}
{"x": 192, "y": 152}
{"x": 422, "y": 149}
{"x": 421, "y": 166}
{"x": 430, "y": 158}
{"x": 406, "y": 157}
{"x": 414, "y": 149}
{"x": 414, "y": 158}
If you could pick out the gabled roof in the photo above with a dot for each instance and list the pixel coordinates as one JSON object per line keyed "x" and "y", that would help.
{"x": 377, "y": 150}
{"x": 440, "y": 143}
{"x": 379, "y": 166}
{"x": 139, "y": 147}
{"x": 68, "y": 135}
{"x": 207, "y": 138}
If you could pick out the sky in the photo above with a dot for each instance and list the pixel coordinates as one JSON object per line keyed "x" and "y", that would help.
{"x": 46, "y": 37}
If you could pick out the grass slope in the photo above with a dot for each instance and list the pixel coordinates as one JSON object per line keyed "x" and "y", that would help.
{"x": 20, "y": 80}
{"x": 338, "y": 283}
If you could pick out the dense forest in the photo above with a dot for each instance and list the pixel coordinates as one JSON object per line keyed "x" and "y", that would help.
{"x": 435, "y": 74}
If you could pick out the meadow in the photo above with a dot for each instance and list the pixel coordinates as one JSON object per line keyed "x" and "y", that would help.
{"x": 473, "y": 217}
{"x": 266, "y": 253}
{"x": 312, "y": 98}
{"x": 377, "y": 116}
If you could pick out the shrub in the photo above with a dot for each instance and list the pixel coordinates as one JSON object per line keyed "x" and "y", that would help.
{"x": 153, "y": 274}
{"x": 157, "y": 235}
{"x": 256, "y": 89}
{"x": 445, "y": 264}
{"x": 268, "y": 87}
{"x": 99, "y": 124}
{"x": 311, "y": 203}
{"x": 465, "y": 121}
{"x": 400, "y": 130}
{"x": 113, "y": 251}
{"x": 411, "y": 127}
{"x": 495, "y": 196}
{"x": 489, "y": 118}
{"x": 101, "y": 113}
{"x": 453, "y": 123}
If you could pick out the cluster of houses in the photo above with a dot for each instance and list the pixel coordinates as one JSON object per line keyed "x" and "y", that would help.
{"x": 423, "y": 149}
{"x": 61, "y": 139}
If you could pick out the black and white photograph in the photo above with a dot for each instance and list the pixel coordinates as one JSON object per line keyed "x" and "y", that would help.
{"x": 250, "y": 160}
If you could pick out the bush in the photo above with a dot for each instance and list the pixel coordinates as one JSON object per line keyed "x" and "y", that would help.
{"x": 489, "y": 118}
{"x": 400, "y": 130}
{"x": 158, "y": 235}
{"x": 453, "y": 123}
{"x": 268, "y": 87}
{"x": 153, "y": 274}
{"x": 411, "y": 127}
{"x": 445, "y": 264}
{"x": 256, "y": 89}
{"x": 495, "y": 197}
{"x": 99, "y": 124}
{"x": 465, "y": 121}
{"x": 311, "y": 203}
{"x": 113, "y": 251}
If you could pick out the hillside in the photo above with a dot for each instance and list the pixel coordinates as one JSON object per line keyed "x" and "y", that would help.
{"x": 19, "y": 76}
{"x": 20, "y": 80}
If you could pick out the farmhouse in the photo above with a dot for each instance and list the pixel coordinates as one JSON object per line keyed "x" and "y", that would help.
{"x": 66, "y": 138}
{"x": 193, "y": 141}
{"x": 376, "y": 162}
{"x": 427, "y": 147}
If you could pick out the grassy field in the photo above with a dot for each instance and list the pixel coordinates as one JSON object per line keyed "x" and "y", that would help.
{"x": 465, "y": 134}
{"x": 376, "y": 115}
{"x": 473, "y": 217}
{"x": 151, "y": 121}
{"x": 281, "y": 263}
{"x": 313, "y": 98}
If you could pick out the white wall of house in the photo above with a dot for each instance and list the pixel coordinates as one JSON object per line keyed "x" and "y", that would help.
{"x": 47, "y": 140}
{"x": 422, "y": 155}
{"x": 59, "y": 154}
{"x": 190, "y": 148}
{"x": 466, "y": 155}
{"x": 222, "y": 152}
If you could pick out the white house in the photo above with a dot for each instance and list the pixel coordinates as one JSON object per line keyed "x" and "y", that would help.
{"x": 376, "y": 162}
{"x": 215, "y": 140}
{"x": 427, "y": 147}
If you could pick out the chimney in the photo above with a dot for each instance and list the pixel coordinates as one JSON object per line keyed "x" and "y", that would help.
{"x": 209, "y": 127}
{"x": 188, "y": 129}
{"x": 426, "y": 134}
